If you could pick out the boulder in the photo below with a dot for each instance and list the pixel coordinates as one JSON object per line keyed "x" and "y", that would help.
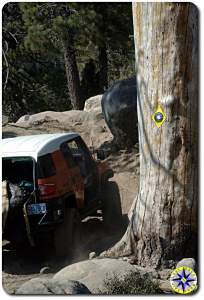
{"x": 89, "y": 124}
{"x": 93, "y": 104}
{"x": 66, "y": 117}
{"x": 35, "y": 286}
{"x": 39, "y": 286}
{"x": 93, "y": 272}
{"x": 165, "y": 286}
{"x": 187, "y": 262}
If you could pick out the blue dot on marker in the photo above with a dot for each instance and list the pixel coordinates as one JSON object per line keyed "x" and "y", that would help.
{"x": 158, "y": 117}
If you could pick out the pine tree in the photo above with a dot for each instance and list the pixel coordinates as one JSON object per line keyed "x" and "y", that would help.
{"x": 82, "y": 46}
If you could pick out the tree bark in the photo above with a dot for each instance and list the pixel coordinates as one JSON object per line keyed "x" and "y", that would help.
{"x": 72, "y": 74}
{"x": 163, "y": 221}
{"x": 103, "y": 68}
{"x": 102, "y": 47}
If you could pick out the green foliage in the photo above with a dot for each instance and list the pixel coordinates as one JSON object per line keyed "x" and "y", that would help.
{"x": 34, "y": 77}
{"x": 36, "y": 80}
{"x": 133, "y": 283}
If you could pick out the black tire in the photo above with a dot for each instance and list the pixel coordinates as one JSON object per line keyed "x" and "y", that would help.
{"x": 64, "y": 234}
{"x": 112, "y": 211}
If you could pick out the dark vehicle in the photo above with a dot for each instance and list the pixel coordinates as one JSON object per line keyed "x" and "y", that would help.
{"x": 119, "y": 106}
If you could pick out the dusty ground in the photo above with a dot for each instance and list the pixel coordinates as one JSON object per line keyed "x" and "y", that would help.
{"x": 20, "y": 266}
{"x": 23, "y": 264}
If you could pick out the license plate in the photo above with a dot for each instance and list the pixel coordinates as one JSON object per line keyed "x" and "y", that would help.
{"x": 36, "y": 209}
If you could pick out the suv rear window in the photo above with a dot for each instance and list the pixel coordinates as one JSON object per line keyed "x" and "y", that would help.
{"x": 45, "y": 166}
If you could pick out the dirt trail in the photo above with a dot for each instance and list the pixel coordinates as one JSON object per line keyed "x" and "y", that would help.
{"x": 23, "y": 264}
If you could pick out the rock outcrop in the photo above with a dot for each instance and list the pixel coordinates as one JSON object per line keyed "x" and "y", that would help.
{"x": 187, "y": 262}
{"x": 93, "y": 272}
{"x": 39, "y": 286}
{"x": 90, "y": 124}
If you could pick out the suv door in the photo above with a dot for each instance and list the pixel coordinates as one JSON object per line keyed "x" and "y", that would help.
{"x": 87, "y": 166}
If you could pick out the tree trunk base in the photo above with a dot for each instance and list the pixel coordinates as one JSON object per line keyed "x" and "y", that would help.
{"x": 151, "y": 251}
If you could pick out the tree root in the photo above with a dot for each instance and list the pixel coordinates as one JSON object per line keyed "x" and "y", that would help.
{"x": 146, "y": 251}
{"x": 122, "y": 248}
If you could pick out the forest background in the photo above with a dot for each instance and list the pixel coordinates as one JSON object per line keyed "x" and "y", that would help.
{"x": 56, "y": 55}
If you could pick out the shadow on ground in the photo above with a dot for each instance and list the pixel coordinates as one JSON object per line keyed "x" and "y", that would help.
{"x": 94, "y": 237}
{"x": 8, "y": 134}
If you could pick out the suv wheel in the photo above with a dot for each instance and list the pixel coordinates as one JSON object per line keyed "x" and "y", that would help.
{"x": 64, "y": 234}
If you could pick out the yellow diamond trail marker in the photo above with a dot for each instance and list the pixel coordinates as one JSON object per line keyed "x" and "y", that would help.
{"x": 183, "y": 280}
{"x": 159, "y": 116}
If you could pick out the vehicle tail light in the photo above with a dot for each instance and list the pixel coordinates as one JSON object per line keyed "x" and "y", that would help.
{"x": 47, "y": 189}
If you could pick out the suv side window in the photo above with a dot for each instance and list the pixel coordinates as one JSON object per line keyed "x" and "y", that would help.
{"x": 81, "y": 155}
{"x": 67, "y": 155}
{"x": 45, "y": 166}
{"x": 82, "y": 149}
{"x": 74, "y": 148}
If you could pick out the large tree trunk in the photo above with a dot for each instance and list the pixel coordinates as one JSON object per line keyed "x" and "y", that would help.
{"x": 163, "y": 220}
{"x": 72, "y": 74}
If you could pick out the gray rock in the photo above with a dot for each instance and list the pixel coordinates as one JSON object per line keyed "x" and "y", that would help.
{"x": 67, "y": 287}
{"x": 36, "y": 286}
{"x": 45, "y": 270}
{"x": 93, "y": 272}
{"x": 165, "y": 274}
{"x": 90, "y": 124}
{"x": 93, "y": 104}
{"x": 92, "y": 255}
{"x": 26, "y": 117}
{"x": 39, "y": 286}
{"x": 165, "y": 286}
{"x": 187, "y": 262}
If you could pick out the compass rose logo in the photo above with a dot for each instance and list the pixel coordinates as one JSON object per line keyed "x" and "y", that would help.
{"x": 183, "y": 280}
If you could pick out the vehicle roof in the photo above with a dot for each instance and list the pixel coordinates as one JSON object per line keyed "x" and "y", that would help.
{"x": 34, "y": 145}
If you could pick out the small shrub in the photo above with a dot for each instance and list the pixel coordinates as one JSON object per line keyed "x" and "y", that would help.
{"x": 132, "y": 283}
